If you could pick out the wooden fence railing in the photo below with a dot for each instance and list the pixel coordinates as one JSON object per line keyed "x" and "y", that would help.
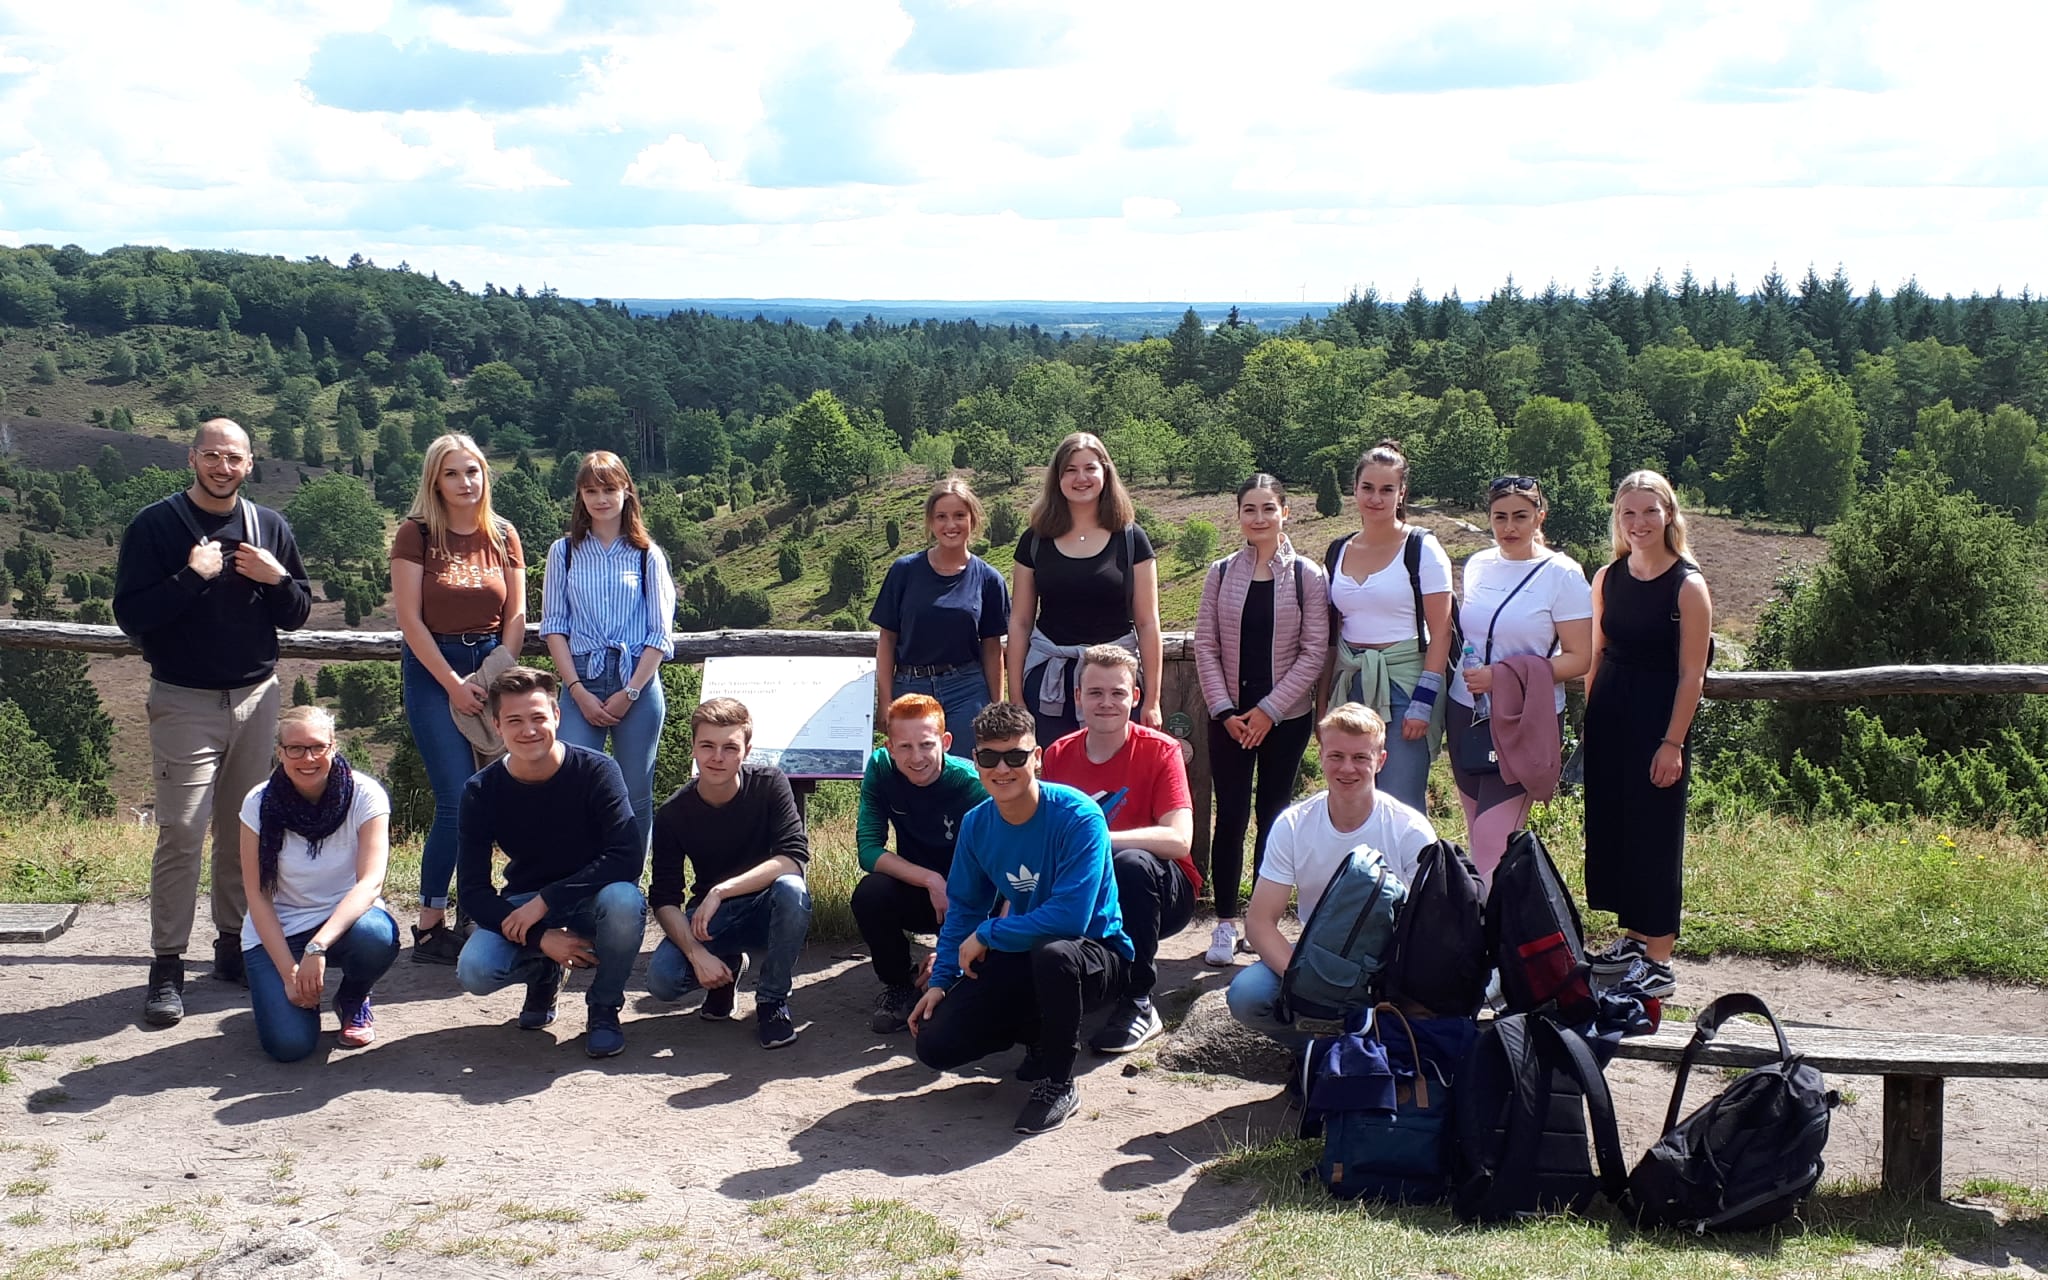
{"x": 1180, "y": 699}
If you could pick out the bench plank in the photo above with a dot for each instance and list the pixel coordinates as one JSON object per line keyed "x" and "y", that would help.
{"x": 1854, "y": 1051}
{"x": 35, "y": 921}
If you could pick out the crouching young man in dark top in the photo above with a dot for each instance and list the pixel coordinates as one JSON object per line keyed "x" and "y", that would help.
{"x": 915, "y": 786}
{"x": 1027, "y": 977}
{"x": 736, "y": 826}
{"x": 571, "y": 898}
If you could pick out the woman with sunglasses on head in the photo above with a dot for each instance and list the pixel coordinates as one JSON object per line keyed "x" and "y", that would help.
{"x": 1085, "y": 575}
{"x": 1390, "y": 621}
{"x": 1653, "y": 623}
{"x": 1527, "y": 620}
{"x": 607, "y": 602}
{"x": 315, "y": 840}
{"x": 1260, "y": 639}
{"x": 458, "y": 585}
{"x": 941, "y": 615}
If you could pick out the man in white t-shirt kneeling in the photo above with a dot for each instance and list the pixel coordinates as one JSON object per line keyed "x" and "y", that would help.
{"x": 1309, "y": 842}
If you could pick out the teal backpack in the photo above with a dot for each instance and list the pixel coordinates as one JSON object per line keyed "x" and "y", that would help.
{"x": 1344, "y": 944}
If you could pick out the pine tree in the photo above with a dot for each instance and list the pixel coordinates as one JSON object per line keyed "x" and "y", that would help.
{"x": 1329, "y": 497}
{"x": 302, "y": 693}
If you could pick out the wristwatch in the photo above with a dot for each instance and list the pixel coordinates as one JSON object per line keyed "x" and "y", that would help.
{"x": 632, "y": 694}
{"x": 315, "y": 949}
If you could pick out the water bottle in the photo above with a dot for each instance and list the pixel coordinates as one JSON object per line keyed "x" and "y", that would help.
{"x": 1480, "y": 702}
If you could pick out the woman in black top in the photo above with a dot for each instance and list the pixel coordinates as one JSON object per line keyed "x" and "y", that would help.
{"x": 1652, "y": 635}
{"x": 1085, "y": 575}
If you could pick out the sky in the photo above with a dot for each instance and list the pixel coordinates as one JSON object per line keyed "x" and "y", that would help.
{"x": 1126, "y": 150}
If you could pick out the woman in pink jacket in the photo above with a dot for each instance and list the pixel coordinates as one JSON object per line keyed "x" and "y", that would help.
{"x": 1259, "y": 646}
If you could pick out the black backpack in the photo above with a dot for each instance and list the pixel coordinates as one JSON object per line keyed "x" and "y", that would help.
{"x": 1746, "y": 1159}
{"x": 1439, "y": 959}
{"x": 1519, "y": 1122}
{"x": 1533, "y": 935}
{"x": 1411, "y": 559}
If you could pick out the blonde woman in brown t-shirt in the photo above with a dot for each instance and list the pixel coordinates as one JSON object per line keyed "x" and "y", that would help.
{"x": 459, "y": 585}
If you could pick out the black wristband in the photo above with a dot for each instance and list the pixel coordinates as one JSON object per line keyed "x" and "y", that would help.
{"x": 1225, "y": 714}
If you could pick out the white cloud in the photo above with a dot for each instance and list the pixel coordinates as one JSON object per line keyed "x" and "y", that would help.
{"x": 675, "y": 164}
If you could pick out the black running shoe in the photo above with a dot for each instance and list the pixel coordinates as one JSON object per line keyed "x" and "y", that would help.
{"x": 164, "y": 1004}
{"x": 1052, "y": 1101}
{"x": 892, "y": 1010}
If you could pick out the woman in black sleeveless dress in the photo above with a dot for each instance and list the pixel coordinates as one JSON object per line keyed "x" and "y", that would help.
{"x": 1652, "y": 627}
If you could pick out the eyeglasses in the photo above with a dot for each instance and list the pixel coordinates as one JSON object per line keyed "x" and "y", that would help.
{"x": 215, "y": 458}
{"x": 297, "y": 751}
{"x": 1015, "y": 757}
{"x": 1512, "y": 484}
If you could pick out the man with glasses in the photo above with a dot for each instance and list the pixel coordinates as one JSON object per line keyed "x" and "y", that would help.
{"x": 205, "y": 581}
{"x": 1027, "y": 977}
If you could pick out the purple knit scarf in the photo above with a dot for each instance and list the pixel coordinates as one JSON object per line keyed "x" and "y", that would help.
{"x": 284, "y": 809}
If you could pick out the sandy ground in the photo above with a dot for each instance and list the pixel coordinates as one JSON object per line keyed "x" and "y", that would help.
{"x": 146, "y": 1147}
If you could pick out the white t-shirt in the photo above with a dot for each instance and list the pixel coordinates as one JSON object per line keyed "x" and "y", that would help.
{"x": 1381, "y": 609}
{"x": 1528, "y": 625}
{"x": 309, "y": 889}
{"x": 1305, "y": 850}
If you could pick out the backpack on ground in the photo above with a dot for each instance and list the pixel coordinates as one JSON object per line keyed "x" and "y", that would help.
{"x": 1533, "y": 935}
{"x": 1746, "y": 1159}
{"x": 1379, "y": 1097}
{"x": 1344, "y": 943}
{"x": 1438, "y": 963}
{"x": 1519, "y": 1120}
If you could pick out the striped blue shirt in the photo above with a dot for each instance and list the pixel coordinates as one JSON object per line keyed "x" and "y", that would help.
{"x": 599, "y": 602}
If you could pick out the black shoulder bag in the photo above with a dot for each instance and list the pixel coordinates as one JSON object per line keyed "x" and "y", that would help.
{"x": 1472, "y": 751}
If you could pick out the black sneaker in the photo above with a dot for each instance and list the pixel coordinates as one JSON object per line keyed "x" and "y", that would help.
{"x": 1649, "y": 980}
{"x": 541, "y": 995}
{"x": 438, "y": 945}
{"x": 164, "y": 1004}
{"x": 1134, "y": 1023}
{"x": 1031, "y": 1070}
{"x": 777, "y": 1027}
{"x": 1052, "y": 1101}
{"x": 718, "y": 1000}
{"x": 1613, "y": 964}
{"x": 892, "y": 1010}
{"x": 228, "y": 965}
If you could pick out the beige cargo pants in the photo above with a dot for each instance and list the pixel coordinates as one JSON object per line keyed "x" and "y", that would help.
{"x": 209, "y": 749}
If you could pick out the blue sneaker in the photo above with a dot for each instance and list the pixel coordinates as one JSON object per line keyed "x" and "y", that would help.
{"x": 602, "y": 1037}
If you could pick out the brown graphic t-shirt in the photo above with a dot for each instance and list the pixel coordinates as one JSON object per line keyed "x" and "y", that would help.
{"x": 462, "y": 582}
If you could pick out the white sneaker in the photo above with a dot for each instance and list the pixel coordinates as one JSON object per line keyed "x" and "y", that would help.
{"x": 1222, "y": 950}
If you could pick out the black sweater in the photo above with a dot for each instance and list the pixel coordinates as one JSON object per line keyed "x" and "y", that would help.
{"x": 199, "y": 633}
{"x": 565, "y": 838}
{"x": 719, "y": 841}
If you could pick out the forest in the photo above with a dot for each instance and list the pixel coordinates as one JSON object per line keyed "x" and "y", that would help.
{"x": 1899, "y": 421}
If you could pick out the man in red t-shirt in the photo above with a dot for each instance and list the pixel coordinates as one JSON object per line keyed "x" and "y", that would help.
{"x": 1136, "y": 774}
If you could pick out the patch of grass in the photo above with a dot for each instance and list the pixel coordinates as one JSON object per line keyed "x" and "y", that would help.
{"x": 50, "y": 858}
{"x": 431, "y": 1162}
{"x": 23, "y": 1188}
{"x": 26, "y": 1218}
{"x": 6, "y": 1076}
{"x": 283, "y": 1164}
{"x": 89, "y": 1060}
{"x": 289, "y": 1199}
{"x": 45, "y": 1156}
{"x": 624, "y": 1195}
{"x": 520, "y": 1253}
{"x": 619, "y": 1239}
{"x": 41, "y": 1264}
{"x": 1004, "y": 1218}
{"x": 859, "y": 1237}
{"x": 1151, "y": 1215}
{"x": 32, "y": 1055}
{"x": 2023, "y": 1202}
{"x": 97, "y": 1135}
{"x": 515, "y": 1212}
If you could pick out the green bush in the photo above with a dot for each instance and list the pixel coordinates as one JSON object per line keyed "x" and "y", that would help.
{"x": 1197, "y": 543}
{"x": 789, "y": 561}
{"x": 368, "y": 693}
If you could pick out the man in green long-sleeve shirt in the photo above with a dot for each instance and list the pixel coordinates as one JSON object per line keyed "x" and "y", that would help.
{"x": 915, "y": 786}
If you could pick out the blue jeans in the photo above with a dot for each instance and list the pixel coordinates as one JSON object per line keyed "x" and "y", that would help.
{"x": 1254, "y": 1000}
{"x": 361, "y": 955}
{"x": 614, "y": 919}
{"x": 770, "y": 925}
{"x": 1405, "y": 775}
{"x": 634, "y": 739}
{"x": 962, "y": 693}
{"x": 446, "y": 754}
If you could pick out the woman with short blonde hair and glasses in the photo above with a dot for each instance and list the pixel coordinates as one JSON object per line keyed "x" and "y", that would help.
{"x": 315, "y": 841}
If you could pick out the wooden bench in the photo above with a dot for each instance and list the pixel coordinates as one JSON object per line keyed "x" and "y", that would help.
{"x": 1914, "y": 1065}
{"x": 35, "y": 921}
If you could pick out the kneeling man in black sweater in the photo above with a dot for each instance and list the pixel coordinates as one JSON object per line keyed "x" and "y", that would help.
{"x": 571, "y": 898}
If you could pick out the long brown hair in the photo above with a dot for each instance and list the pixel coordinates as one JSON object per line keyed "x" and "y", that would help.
{"x": 1113, "y": 509}
{"x": 1387, "y": 453}
{"x": 427, "y": 506}
{"x": 601, "y": 470}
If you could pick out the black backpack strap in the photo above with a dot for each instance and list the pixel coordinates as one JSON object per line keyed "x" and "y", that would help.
{"x": 1705, "y": 1024}
{"x": 1495, "y": 621}
{"x": 1331, "y": 559}
{"x": 1613, "y": 1172}
{"x": 1411, "y": 556}
{"x": 1130, "y": 567}
{"x": 252, "y": 523}
{"x": 181, "y": 506}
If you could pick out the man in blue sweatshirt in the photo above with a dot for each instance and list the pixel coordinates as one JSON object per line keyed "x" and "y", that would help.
{"x": 1030, "y": 976}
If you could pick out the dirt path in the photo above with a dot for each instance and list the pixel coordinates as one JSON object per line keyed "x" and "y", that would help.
{"x": 461, "y": 1145}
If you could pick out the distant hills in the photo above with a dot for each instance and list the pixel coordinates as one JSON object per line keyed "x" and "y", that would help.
{"x": 1121, "y": 320}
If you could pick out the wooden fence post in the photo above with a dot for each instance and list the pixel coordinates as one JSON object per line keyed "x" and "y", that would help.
{"x": 1186, "y": 716}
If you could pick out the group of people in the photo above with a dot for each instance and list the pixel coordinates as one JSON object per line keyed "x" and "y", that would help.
{"x": 1044, "y": 838}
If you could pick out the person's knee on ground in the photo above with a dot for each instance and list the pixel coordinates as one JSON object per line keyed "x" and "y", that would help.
{"x": 621, "y": 922}
{"x": 293, "y": 1041}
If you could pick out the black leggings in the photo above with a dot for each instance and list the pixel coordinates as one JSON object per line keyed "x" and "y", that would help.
{"x": 1278, "y": 761}
{"x": 1034, "y": 998}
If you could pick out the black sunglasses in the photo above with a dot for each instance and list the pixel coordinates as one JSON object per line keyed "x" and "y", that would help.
{"x": 1015, "y": 757}
{"x": 1512, "y": 484}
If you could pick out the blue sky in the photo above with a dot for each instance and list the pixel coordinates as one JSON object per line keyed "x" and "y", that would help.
{"x": 1054, "y": 148}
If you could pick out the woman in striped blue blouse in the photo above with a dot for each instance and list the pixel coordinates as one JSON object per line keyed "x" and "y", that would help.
{"x": 607, "y": 604}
